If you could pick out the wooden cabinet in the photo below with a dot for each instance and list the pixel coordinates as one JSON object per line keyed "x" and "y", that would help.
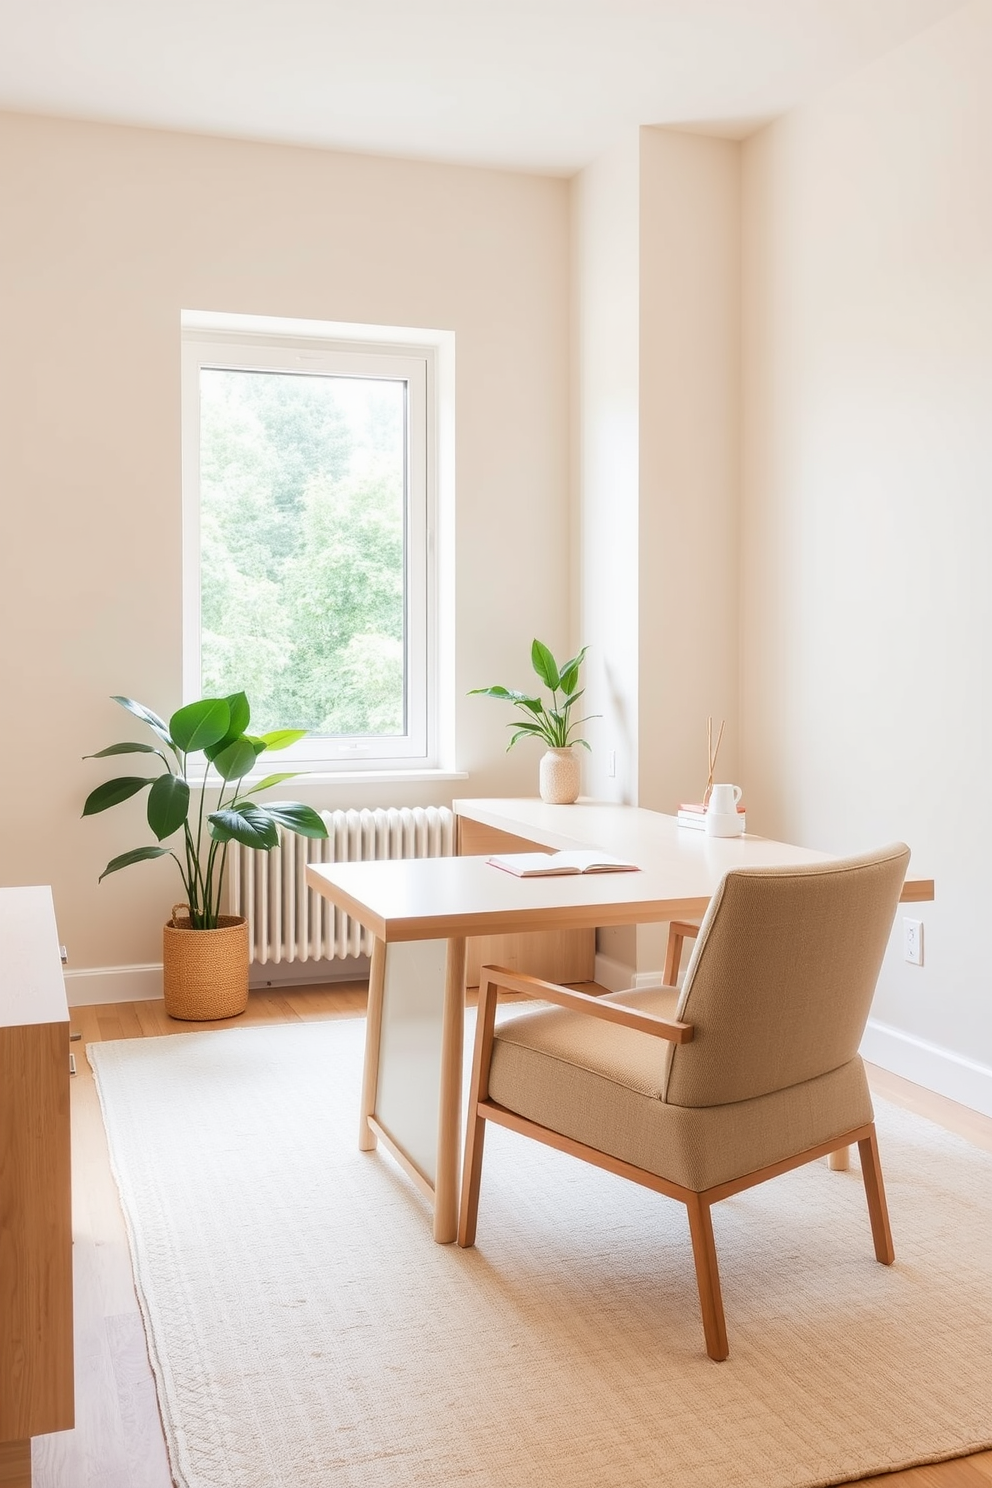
{"x": 36, "y": 1365}
{"x": 557, "y": 955}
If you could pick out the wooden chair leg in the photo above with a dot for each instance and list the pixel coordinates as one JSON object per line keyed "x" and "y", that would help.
{"x": 468, "y": 1217}
{"x": 878, "y": 1211}
{"x": 707, "y": 1277}
{"x": 475, "y": 1134}
{"x": 678, "y": 931}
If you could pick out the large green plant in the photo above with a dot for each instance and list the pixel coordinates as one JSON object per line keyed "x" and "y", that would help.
{"x": 551, "y": 722}
{"x": 217, "y": 729}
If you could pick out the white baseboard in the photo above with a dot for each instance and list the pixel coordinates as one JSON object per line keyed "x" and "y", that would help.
{"x": 618, "y": 976}
{"x": 615, "y": 976}
{"x": 97, "y": 984}
{"x": 113, "y": 984}
{"x": 955, "y": 1075}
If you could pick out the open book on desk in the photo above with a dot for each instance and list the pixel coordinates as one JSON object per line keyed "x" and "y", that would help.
{"x": 551, "y": 865}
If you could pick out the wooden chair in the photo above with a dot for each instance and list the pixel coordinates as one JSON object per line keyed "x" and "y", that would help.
{"x": 752, "y": 1069}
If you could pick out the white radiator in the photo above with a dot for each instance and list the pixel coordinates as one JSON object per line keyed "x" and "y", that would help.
{"x": 288, "y": 921}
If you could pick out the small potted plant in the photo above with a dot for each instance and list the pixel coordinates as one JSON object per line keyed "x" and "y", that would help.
{"x": 205, "y": 952}
{"x": 552, "y": 722}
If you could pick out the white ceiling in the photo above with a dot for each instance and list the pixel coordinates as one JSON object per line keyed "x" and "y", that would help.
{"x": 541, "y": 85}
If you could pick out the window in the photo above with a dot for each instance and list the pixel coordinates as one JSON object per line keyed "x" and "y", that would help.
{"x": 310, "y": 537}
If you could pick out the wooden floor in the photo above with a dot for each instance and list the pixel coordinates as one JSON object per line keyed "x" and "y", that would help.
{"x": 117, "y": 1441}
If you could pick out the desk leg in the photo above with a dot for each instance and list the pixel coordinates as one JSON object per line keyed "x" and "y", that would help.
{"x": 412, "y": 1082}
{"x": 373, "y": 1043}
{"x": 449, "y": 1114}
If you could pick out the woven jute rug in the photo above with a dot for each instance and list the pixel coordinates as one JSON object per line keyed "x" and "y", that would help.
{"x": 305, "y": 1330}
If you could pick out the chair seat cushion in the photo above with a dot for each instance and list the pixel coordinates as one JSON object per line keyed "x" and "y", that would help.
{"x": 601, "y": 1085}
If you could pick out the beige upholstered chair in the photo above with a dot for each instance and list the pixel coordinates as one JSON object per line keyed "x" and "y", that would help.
{"x": 751, "y": 1070}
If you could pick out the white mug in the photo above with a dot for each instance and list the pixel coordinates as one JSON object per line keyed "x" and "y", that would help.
{"x": 723, "y": 799}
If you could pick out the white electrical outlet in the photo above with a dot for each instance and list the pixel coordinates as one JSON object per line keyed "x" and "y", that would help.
{"x": 611, "y": 768}
{"x": 912, "y": 941}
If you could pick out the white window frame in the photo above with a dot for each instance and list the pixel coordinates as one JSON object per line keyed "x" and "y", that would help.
{"x": 274, "y": 345}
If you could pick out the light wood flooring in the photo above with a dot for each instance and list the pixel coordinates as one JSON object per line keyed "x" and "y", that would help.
{"x": 117, "y": 1441}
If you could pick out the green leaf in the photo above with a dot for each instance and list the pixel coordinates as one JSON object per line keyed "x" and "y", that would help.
{"x": 240, "y": 717}
{"x": 271, "y": 780}
{"x": 136, "y": 855}
{"x": 240, "y": 714}
{"x": 112, "y": 792}
{"x": 534, "y": 705}
{"x": 201, "y": 724}
{"x": 296, "y": 818}
{"x": 236, "y": 760}
{"x": 570, "y": 671}
{"x": 544, "y": 665}
{"x": 147, "y": 716}
{"x": 527, "y": 731}
{"x": 247, "y": 824}
{"x": 127, "y": 748}
{"x": 168, "y": 804}
{"x": 282, "y": 738}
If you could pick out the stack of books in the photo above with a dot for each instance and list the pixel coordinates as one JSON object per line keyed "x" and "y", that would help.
{"x": 693, "y": 814}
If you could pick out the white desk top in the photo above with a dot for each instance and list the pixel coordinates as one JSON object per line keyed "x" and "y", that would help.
{"x": 432, "y": 898}
{"x": 641, "y": 836}
{"x": 435, "y": 898}
{"x": 629, "y": 832}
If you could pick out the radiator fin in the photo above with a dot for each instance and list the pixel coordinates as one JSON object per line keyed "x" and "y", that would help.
{"x": 287, "y": 921}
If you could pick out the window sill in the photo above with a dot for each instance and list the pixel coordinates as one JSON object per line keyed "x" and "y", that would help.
{"x": 316, "y": 776}
{"x": 377, "y": 777}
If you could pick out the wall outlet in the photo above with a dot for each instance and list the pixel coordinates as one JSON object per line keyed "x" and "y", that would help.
{"x": 611, "y": 764}
{"x": 912, "y": 941}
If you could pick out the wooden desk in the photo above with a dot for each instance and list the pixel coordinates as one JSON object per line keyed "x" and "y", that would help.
{"x": 421, "y": 911}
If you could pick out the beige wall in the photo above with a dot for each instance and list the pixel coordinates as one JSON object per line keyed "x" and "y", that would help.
{"x": 867, "y": 520}
{"x": 656, "y": 307}
{"x": 689, "y": 461}
{"x": 606, "y": 489}
{"x": 108, "y": 234}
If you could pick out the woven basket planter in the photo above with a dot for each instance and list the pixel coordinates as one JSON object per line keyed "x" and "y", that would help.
{"x": 205, "y": 972}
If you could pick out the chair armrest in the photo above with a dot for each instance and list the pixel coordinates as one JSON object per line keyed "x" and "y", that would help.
{"x": 581, "y": 1002}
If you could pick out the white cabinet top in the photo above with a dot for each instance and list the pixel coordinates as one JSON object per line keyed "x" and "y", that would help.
{"x": 31, "y": 986}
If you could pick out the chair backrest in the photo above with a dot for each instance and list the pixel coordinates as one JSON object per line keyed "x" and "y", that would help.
{"x": 782, "y": 976}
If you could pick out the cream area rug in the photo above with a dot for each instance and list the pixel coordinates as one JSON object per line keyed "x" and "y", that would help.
{"x": 305, "y": 1330}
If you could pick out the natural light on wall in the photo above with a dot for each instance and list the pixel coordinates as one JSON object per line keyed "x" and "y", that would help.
{"x": 310, "y": 534}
